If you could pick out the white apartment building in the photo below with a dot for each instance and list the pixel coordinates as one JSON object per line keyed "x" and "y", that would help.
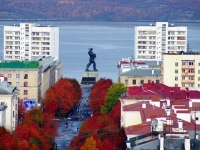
{"x": 28, "y": 40}
{"x": 151, "y": 41}
{"x": 182, "y": 70}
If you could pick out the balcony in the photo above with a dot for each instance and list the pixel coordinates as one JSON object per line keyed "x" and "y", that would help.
{"x": 187, "y": 81}
{"x": 188, "y": 74}
{"x": 187, "y": 67}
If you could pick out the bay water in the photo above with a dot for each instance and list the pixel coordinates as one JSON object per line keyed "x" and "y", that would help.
{"x": 111, "y": 41}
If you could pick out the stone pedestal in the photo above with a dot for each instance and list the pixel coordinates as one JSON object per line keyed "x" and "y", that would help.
{"x": 90, "y": 77}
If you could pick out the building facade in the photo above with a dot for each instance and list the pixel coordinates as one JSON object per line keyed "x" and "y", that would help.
{"x": 151, "y": 41}
{"x": 8, "y": 106}
{"x": 182, "y": 70}
{"x": 32, "y": 78}
{"x": 135, "y": 73}
{"x": 27, "y": 40}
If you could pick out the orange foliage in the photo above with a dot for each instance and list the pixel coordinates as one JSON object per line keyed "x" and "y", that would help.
{"x": 62, "y": 97}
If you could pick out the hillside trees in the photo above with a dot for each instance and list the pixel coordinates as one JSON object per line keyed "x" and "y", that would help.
{"x": 62, "y": 97}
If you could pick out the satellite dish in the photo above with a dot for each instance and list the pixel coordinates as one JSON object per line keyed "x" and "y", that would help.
{"x": 154, "y": 123}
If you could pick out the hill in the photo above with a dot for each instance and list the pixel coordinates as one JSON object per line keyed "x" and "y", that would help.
{"x": 101, "y": 10}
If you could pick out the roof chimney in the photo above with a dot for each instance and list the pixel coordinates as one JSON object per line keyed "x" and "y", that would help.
{"x": 190, "y": 103}
{"x": 168, "y": 101}
{"x": 180, "y": 124}
{"x": 143, "y": 105}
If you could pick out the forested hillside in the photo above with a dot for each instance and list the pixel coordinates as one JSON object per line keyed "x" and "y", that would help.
{"x": 108, "y": 10}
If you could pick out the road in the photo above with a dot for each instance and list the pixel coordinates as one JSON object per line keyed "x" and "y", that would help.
{"x": 69, "y": 127}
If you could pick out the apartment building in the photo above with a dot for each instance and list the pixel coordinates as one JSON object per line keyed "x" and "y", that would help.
{"x": 8, "y": 106}
{"x": 153, "y": 40}
{"x": 135, "y": 73}
{"x": 182, "y": 70}
{"x": 32, "y": 78}
{"x": 29, "y": 40}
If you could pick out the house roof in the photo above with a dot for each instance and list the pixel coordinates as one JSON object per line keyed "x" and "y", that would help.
{"x": 150, "y": 111}
{"x": 153, "y": 89}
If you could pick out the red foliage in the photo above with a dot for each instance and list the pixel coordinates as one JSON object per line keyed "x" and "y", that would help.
{"x": 115, "y": 113}
{"x": 98, "y": 93}
{"x": 63, "y": 96}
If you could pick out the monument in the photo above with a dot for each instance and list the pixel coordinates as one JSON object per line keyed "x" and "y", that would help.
{"x": 90, "y": 76}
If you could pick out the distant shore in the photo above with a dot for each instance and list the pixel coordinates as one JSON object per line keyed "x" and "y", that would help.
{"x": 62, "y": 19}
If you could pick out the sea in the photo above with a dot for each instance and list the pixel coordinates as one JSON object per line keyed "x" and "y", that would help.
{"x": 111, "y": 41}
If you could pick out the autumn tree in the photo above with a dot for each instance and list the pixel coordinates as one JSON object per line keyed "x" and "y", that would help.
{"x": 37, "y": 131}
{"x": 112, "y": 97}
{"x": 98, "y": 94}
{"x": 62, "y": 97}
{"x": 90, "y": 144}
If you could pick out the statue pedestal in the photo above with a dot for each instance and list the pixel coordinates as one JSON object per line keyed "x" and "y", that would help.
{"x": 90, "y": 77}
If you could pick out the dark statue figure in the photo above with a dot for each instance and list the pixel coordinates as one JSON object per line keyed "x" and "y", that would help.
{"x": 91, "y": 60}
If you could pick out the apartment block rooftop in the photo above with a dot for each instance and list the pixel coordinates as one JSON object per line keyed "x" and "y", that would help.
{"x": 183, "y": 53}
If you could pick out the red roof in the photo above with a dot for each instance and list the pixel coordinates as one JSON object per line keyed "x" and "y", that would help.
{"x": 173, "y": 93}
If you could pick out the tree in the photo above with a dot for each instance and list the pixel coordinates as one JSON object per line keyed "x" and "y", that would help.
{"x": 90, "y": 144}
{"x": 112, "y": 97}
{"x": 62, "y": 97}
{"x": 98, "y": 94}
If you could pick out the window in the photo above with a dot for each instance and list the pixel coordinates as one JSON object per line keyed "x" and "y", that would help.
{"x": 176, "y": 78}
{"x": 26, "y": 76}
{"x": 176, "y": 85}
{"x": 9, "y": 76}
{"x": 183, "y": 70}
{"x": 198, "y": 71}
{"x": 191, "y": 85}
{"x": 17, "y": 84}
{"x": 198, "y": 78}
{"x": 126, "y": 82}
{"x": 25, "y": 84}
{"x": 2, "y": 103}
{"x": 141, "y": 81}
{"x": 176, "y": 64}
{"x": 25, "y": 92}
{"x": 183, "y": 78}
{"x": 149, "y": 81}
{"x": 157, "y": 81}
{"x": 17, "y": 76}
{"x": 13, "y": 113}
{"x": 176, "y": 71}
{"x": 198, "y": 85}
{"x": 10, "y": 83}
{"x": 134, "y": 82}
{"x": 183, "y": 85}
{"x": 199, "y": 64}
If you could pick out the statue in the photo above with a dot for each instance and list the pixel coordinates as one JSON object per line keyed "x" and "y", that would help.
{"x": 91, "y": 60}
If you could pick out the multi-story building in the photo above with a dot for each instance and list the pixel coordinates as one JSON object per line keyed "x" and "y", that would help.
{"x": 151, "y": 41}
{"x": 8, "y": 105}
{"x": 135, "y": 73}
{"x": 181, "y": 70}
{"x": 27, "y": 40}
{"x": 32, "y": 78}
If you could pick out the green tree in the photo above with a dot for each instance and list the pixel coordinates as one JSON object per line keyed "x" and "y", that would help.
{"x": 112, "y": 97}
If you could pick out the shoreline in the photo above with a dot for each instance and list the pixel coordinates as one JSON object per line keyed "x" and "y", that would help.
{"x": 35, "y": 20}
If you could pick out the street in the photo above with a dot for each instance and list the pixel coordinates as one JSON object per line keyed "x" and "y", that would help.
{"x": 69, "y": 126}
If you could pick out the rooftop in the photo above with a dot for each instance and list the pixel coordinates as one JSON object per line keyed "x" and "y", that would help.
{"x": 19, "y": 64}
